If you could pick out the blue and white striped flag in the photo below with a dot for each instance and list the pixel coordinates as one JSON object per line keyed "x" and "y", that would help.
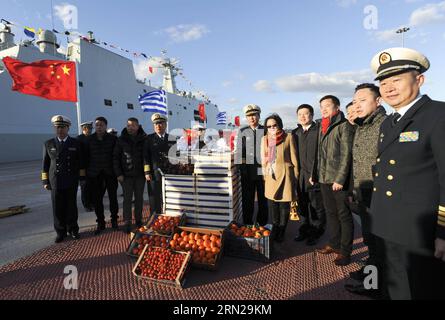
{"x": 221, "y": 118}
{"x": 155, "y": 101}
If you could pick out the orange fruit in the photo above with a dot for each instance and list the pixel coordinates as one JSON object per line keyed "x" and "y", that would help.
{"x": 186, "y": 239}
{"x": 266, "y": 233}
{"x": 197, "y": 237}
{"x": 213, "y": 238}
{"x": 207, "y": 243}
{"x": 202, "y": 248}
{"x": 173, "y": 244}
{"x": 191, "y": 235}
{"x": 192, "y": 242}
{"x": 206, "y": 237}
{"x": 176, "y": 236}
{"x": 183, "y": 244}
{"x": 199, "y": 242}
{"x": 215, "y": 250}
{"x": 183, "y": 234}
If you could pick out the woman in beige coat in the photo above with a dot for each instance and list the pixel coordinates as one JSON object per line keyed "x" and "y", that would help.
{"x": 280, "y": 171}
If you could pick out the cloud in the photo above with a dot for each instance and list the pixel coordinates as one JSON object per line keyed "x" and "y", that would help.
{"x": 428, "y": 14}
{"x": 141, "y": 69}
{"x": 263, "y": 86}
{"x": 67, "y": 13}
{"x": 387, "y": 36}
{"x": 186, "y": 32}
{"x": 227, "y": 83}
{"x": 233, "y": 101}
{"x": 346, "y": 3}
{"x": 341, "y": 84}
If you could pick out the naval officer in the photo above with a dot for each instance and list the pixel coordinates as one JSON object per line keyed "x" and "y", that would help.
{"x": 63, "y": 167}
{"x": 248, "y": 155}
{"x": 408, "y": 203}
{"x": 156, "y": 150}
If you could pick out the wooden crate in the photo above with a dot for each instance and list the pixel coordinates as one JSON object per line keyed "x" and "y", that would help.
{"x": 215, "y": 164}
{"x": 180, "y": 280}
{"x": 248, "y": 248}
{"x": 154, "y": 217}
{"x": 138, "y": 235}
{"x": 218, "y": 232}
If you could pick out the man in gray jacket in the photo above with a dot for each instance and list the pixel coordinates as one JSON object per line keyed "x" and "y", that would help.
{"x": 333, "y": 173}
{"x": 369, "y": 116}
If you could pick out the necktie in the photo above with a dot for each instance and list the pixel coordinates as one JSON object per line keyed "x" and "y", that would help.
{"x": 395, "y": 118}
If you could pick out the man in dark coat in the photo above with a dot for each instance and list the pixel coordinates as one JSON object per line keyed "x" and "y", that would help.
{"x": 408, "y": 203}
{"x": 63, "y": 167}
{"x": 128, "y": 160}
{"x": 86, "y": 189}
{"x": 156, "y": 151}
{"x": 99, "y": 153}
{"x": 310, "y": 202}
{"x": 248, "y": 155}
{"x": 333, "y": 173}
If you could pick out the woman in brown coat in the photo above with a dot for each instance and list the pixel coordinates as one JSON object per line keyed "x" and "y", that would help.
{"x": 280, "y": 171}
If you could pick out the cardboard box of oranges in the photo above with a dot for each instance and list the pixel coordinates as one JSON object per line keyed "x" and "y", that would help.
{"x": 205, "y": 245}
{"x": 248, "y": 242}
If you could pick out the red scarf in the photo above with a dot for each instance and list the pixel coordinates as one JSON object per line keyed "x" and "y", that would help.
{"x": 326, "y": 123}
{"x": 272, "y": 143}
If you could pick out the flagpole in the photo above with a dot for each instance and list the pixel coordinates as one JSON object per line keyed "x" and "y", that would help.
{"x": 79, "y": 114}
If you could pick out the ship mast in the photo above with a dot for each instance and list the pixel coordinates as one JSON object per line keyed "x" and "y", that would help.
{"x": 170, "y": 72}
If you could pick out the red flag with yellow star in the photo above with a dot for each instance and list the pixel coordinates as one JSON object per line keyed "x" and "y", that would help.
{"x": 49, "y": 79}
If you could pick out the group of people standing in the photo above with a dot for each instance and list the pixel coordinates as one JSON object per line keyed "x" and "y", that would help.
{"x": 387, "y": 169}
{"x": 99, "y": 162}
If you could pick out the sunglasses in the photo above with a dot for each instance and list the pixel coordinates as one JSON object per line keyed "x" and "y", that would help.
{"x": 272, "y": 126}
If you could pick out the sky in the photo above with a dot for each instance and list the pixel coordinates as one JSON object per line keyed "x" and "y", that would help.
{"x": 276, "y": 54}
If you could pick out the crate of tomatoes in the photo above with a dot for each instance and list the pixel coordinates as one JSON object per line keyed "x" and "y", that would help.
{"x": 165, "y": 224}
{"x": 141, "y": 239}
{"x": 205, "y": 245}
{"x": 248, "y": 242}
{"x": 163, "y": 266}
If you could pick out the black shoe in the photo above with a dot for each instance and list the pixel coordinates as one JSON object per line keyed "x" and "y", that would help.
{"x": 100, "y": 228}
{"x": 127, "y": 228}
{"x": 360, "y": 289}
{"x": 280, "y": 234}
{"x": 358, "y": 275}
{"x": 75, "y": 235}
{"x": 59, "y": 238}
{"x": 300, "y": 238}
{"x": 311, "y": 241}
{"x": 114, "y": 224}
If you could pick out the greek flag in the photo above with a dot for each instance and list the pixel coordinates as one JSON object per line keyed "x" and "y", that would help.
{"x": 221, "y": 118}
{"x": 155, "y": 101}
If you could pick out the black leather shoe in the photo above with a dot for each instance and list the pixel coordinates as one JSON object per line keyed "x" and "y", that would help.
{"x": 360, "y": 290}
{"x": 114, "y": 224}
{"x": 311, "y": 241}
{"x": 100, "y": 228}
{"x": 59, "y": 238}
{"x": 300, "y": 238}
{"x": 358, "y": 275}
{"x": 75, "y": 235}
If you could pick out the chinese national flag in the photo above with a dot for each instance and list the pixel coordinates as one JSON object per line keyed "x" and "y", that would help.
{"x": 237, "y": 121}
{"x": 202, "y": 111}
{"x": 49, "y": 79}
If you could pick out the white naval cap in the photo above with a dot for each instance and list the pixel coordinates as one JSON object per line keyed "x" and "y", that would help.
{"x": 394, "y": 61}
{"x": 60, "y": 121}
{"x": 198, "y": 127}
{"x": 252, "y": 109}
{"x": 87, "y": 124}
{"x": 157, "y": 118}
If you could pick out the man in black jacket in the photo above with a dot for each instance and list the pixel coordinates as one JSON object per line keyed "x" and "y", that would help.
{"x": 87, "y": 192}
{"x": 128, "y": 161}
{"x": 408, "y": 203}
{"x": 156, "y": 150}
{"x": 248, "y": 155}
{"x": 310, "y": 202}
{"x": 99, "y": 153}
{"x": 63, "y": 168}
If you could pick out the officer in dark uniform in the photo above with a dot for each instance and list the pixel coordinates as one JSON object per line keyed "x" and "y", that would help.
{"x": 248, "y": 155}
{"x": 156, "y": 150}
{"x": 86, "y": 192}
{"x": 63, "y": 167}
{"x": 408, "y": 203}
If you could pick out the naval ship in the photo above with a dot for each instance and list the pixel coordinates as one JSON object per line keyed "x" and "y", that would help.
{"x": 107, "y": 87}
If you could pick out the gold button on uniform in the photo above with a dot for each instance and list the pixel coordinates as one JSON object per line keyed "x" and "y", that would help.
{"x": 390, "y": 178}
{"x": 378, "y": 160}
{"x": 375, "y": 189}
{"x": 393, "y": 162}
{"x": 389, "y": 194}
{"x": 376, "y": 175}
